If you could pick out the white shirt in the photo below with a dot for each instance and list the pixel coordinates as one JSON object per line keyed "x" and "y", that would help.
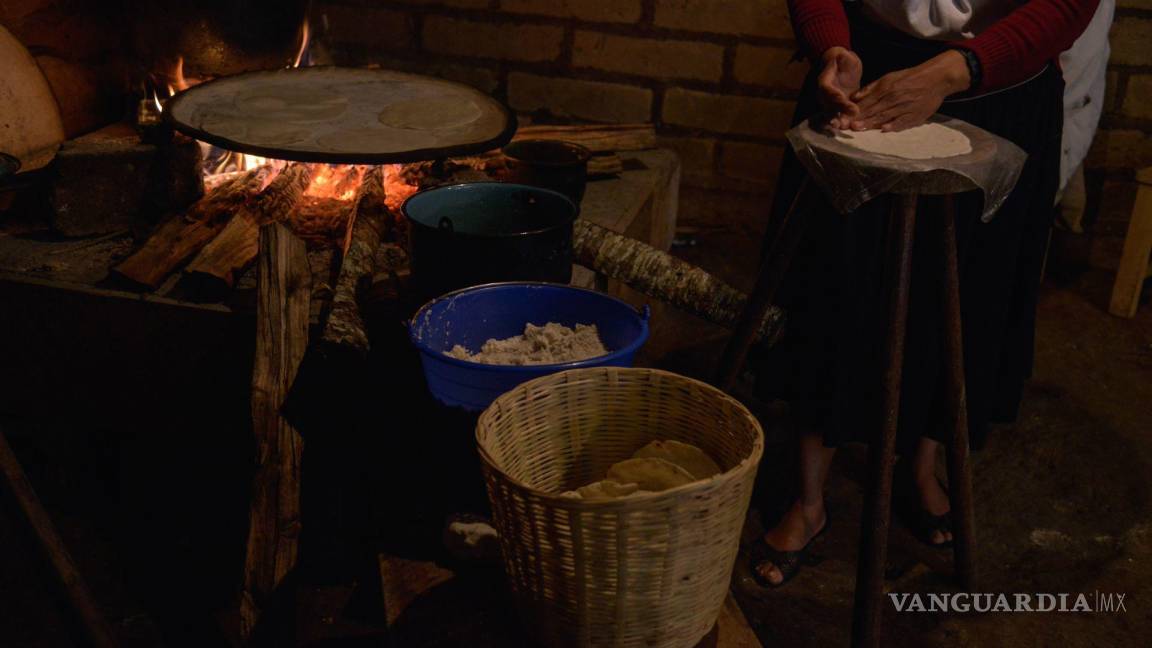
{"x": 1084, "y": 65}
{"x": 938, "y": 19}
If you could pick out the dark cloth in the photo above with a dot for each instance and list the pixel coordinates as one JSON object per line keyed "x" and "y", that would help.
{"x": 829, "y": 363}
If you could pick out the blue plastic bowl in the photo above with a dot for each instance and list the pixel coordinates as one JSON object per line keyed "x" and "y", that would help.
{"x": 472, "y": 316}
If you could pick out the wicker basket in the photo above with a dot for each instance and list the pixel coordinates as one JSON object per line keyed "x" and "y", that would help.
{"x": 648, "y": 570}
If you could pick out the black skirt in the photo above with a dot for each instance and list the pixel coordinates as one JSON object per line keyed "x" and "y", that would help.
{"x": 828, "y": 364}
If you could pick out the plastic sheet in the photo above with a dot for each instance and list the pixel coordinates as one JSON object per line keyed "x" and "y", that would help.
{"x": 851, "y": 177}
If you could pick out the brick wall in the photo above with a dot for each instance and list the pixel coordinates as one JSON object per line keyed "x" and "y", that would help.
{"x": 1124, "y": 142}
{"x": 714, "y": 75}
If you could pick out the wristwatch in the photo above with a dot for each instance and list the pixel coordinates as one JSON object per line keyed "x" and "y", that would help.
{"x": 975, "y": 72}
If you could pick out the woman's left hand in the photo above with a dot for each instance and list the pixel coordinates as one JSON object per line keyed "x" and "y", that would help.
{"x": 907, "y": 98}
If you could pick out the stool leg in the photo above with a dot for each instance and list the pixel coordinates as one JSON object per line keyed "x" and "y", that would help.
{"x": 873, "y": 554}
{"x": 959, "y": 471}
{"x": 769, "y": 278}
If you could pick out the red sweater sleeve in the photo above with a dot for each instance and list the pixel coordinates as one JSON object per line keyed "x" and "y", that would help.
{"x": 1019, "y": 45}
{"x": 819, "y": 25}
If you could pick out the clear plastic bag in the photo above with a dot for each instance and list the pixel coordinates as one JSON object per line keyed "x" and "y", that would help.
{"x": 851, "y": 177}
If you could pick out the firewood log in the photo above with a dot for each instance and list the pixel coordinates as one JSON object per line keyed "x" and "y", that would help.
{"x": 662, "y": 276}
{"x": 282, "y": 304}
{"x": 599, "y": 138}
{"x": 368, "y": 225}
{"x": 217, "y": 265}
{"x": 184, "y": 234}
{"x": 605, "y": 164}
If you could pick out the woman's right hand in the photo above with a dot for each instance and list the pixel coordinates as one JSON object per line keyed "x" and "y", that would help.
{"x": 836, "y": 83}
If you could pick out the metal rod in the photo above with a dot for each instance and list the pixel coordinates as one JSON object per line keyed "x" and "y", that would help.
{"x": 959, "y": 470}
{"x": 873, "y": 554}
{"x": 771, "y": 275}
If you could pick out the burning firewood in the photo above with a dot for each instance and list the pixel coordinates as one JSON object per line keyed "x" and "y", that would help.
{"x": 369, "y": 224}
{"x": 217, "y": 265}
{"x": 184, "y": 234}
{"x": 283, "y": 295}
{"x": 663, "y": 276}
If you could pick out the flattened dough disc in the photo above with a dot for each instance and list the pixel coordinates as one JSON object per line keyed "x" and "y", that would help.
{"x": 923, "y": 142}
{"x": 341, "y": 115}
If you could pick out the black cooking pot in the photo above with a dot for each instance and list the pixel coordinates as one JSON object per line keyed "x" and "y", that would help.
{"x": 218, "y": 37}
{"x": 552, "y": 164}
{"x": 469, "y": 234}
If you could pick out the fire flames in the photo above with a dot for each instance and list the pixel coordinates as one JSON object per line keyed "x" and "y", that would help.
{"x": 324, "y": 210}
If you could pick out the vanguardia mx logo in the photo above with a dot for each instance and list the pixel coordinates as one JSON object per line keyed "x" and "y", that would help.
{"x": 964, "y": 602}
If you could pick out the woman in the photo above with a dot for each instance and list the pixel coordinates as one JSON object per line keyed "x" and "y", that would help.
{"x": 891, "y": 64}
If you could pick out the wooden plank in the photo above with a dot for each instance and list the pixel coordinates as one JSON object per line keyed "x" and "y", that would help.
{"x": 734, "y": 629}
{"x": 413, "y": 584}
{"x": 282, "y": 315}
{"x": 403, "y": 581}
{"x": 1137, "y": 249}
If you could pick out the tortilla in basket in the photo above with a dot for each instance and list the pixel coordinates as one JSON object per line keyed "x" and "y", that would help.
{"x": 687, "y": 456}
{"x": 650, "y": 474}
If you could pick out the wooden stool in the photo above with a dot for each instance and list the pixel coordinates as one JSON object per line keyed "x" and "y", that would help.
{"x": 1133, "y": 268}
{"x": 868, "y": 610}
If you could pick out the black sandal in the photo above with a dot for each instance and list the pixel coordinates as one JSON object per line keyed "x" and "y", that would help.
{"x": 925, "y": 525}
{"x": 922, "y": 523}
{"x": 788, "y": 562}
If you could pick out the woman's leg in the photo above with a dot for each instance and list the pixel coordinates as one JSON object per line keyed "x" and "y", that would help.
{"x": 806, "y": 517}
{"x": 933, "y": 497}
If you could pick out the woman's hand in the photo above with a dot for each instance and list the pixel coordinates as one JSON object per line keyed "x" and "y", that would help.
{"x": 836, "y": 83}
{"x": 907, "y": 98}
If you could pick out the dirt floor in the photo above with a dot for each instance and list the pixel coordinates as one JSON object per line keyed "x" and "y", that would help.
{"x": 1063, "y": 496}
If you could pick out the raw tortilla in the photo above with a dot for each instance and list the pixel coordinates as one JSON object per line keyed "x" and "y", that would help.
{"x": 420, "y": 114}
{"x": 923, "y": 142}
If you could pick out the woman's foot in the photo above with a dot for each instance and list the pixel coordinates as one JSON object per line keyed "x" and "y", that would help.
{"x": 935, "y": 521}
{"x": 932, "y": 522}
{"x": 791, "y": 535}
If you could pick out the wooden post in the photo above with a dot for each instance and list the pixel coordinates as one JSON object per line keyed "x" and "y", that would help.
{"x": 1133, "y": 268}
{"x": 873, "y": 555}
{"x": 16, "y": 482}
{"x": 282, "y": 311}
{"x": 770, "y": 278}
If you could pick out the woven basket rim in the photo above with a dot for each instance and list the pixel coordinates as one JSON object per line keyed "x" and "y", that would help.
{"x": 750, "y": 462}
